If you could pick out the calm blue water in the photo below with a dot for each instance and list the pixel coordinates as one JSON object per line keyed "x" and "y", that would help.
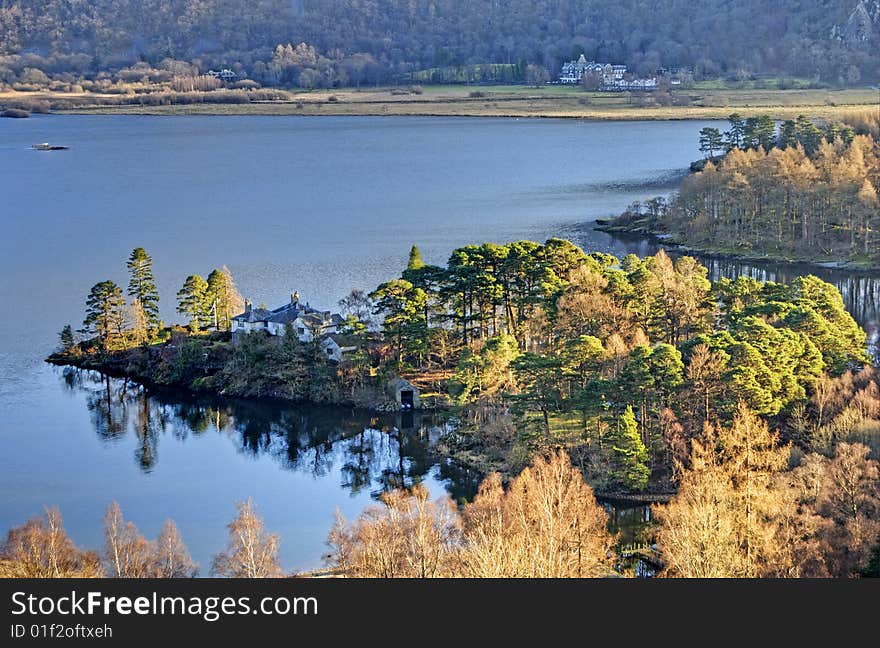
{"x": 318, "y": 205}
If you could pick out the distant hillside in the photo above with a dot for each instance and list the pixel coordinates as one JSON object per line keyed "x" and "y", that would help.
{"x": 350, "y": 41}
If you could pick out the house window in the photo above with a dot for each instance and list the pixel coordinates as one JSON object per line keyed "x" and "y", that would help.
{"x": 300, "y": 330}
{"x": 329, "y": 351}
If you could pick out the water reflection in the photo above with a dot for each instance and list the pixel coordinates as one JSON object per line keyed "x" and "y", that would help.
{"x": 374, "y": 452}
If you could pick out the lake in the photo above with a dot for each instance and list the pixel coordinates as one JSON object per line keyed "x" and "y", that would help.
{"x": 317, "y": 205}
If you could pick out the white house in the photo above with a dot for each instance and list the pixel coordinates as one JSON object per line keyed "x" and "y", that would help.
{"x": 308, "y": 323}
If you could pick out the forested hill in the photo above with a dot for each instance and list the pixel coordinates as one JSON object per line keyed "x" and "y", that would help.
{"x": 832, "y": 41}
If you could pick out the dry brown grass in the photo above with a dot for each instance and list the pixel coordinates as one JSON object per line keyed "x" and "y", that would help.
{"x": 495, "y": 101}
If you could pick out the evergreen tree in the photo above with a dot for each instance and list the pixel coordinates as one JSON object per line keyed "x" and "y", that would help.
{"x": 142, "y": 285}
{"x": 403, "y": 307}
{"x": 193, "y": 301}
{"x": 710, "y": 141}
{"x": 223, "y": 298}
{"x": 808, "y": 135}
{"x": 105, "y": 312}
{"x": 66, "y": 338}
{"x": 733, "y": 138}
{"x": 628, "y": 454}
{"x": 415, "y": 259}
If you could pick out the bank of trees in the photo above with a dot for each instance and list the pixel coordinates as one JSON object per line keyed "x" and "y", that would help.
{"x": 621, "y": 361}
{"x": 114, "y": 324}
{"x": 741, "y": 511}
{"x": 748, "y": 506}
{"x": 545, "y": 524}
{"x": 806, "y": 191}
{"x": 41, "y": 548}
{"x": 350, "y": 42}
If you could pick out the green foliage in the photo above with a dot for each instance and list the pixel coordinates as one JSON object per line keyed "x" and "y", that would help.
{"x": 193, "y": 300}
{"x": 415, "y": 259}
{"x": 488, "y": 372}
{"x": 142, "y": 285}
{"x": 402, "y": 306}
{"x": 628, "y": 453}
{"x": 710, "y": 141}
{"x": 872, "y": 569}
{"x": 223, "y": 297}
{"x": 105, "y": 316}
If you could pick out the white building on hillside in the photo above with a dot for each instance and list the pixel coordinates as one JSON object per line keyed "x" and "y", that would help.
{"x": 308, "y": 324}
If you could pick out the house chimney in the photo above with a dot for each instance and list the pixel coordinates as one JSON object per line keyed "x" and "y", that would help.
{"x": 248, "y": 307}
{"x": 294, "y": 298}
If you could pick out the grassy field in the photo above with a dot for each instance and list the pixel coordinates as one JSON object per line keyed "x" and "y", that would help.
{"x": 498, "y": 101}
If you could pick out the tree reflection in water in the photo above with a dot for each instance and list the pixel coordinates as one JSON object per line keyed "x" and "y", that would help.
{"x": 372, "y": 451}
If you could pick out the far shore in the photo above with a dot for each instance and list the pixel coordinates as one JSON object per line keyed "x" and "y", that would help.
{"x": 561, "y": 102}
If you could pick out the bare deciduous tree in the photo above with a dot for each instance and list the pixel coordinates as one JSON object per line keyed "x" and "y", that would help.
{"x": 407, "y": 536}
{"x": 172, "y": 558}
{"x": 252, "y": 552}
{"x": 40, "y": 548}
{"x": 727, "y": 519}
{"x": 127, "y": 553}
{"x": 546, "y": 525}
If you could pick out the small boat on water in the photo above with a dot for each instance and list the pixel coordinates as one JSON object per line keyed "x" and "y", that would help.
{"x": 45, "y": 146}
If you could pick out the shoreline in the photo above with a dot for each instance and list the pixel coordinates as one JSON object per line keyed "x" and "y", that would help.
{"x": 351, "y": 110}
{"x": 472, "y": 458}
{"x": 519, "y": 101}
{"x": 668, "y": 241}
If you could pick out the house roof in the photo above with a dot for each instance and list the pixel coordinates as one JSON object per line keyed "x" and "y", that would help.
{"x": 286, "y": 314}
{"x": 345, "y": 341}
{"x": 402, "y": 384}
{"x": 289, "y": 313}
{"x": 253, "y": 315}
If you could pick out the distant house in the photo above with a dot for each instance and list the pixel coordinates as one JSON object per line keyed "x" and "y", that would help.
{"x": 611, "y": 77}
{"x": 308, "y": 323}
{"x": 573, "y": 71}
{"x": 224, "y": 75}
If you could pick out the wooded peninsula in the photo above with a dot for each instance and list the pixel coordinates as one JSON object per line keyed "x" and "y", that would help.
{"x": 801, "y": 191}
{"x": 612, "y": 376}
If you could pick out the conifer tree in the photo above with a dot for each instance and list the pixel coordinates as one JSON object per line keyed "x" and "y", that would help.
{"x": 415, "y": 259}
{"x": 223, "y": 297}
{"x": 142, "y": 285}
{"x": 105, "y": 311}
{"x": 193, "y": 301}
{"x": 66, "y": 338}
{"x": 628, "y": 454}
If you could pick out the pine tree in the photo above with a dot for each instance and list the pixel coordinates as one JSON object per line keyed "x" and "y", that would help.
{"x": 66, "y": 338}
{"x": 105, "y": 312}
{"x": 223, "y": 298}
{"x": 710, "y": 141}
{"x": 415, "y": 259}
{"x": 193, "y": 300}
{"x": 628, "y": 454}
{"x": 142, "y": 285}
